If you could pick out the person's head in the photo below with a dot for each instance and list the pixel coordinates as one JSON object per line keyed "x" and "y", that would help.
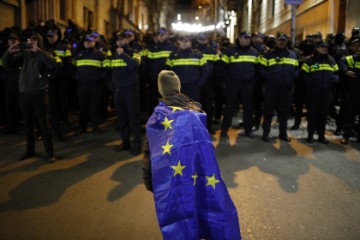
{"x": 12, "y": 39}
{"x": 96, "y": 36}
{"x": 322, "y": 48}
{"x": 281, "y": 40}
{"x": 317, "y": 37}
{"x": 89, "y": 41}
{"x": 202, "y": 38}
{"x": 355, "y": 44}
{"x": 168, "y": 83}
{"x": 257, "y": 38}
{"x": 184, "y": 42}
{"x": 244, "y": 39}
{"x": 52, "y": 36}
{"x": 130, "y": 35}
{"x": 35, "y": 39}
{"x": 355, "y": 31}
{"x": 162, "y": 35}
{"x": 121, "y": 39}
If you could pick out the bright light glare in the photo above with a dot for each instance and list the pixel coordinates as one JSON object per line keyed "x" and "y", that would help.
{"x": 197, "y": 18}
{"x": 193, "y": 28}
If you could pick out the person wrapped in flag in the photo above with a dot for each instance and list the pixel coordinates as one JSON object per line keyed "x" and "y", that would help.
{"x": 180, "y": 168}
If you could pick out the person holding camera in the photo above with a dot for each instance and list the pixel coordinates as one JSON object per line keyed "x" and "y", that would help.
{"x": 34, "y": 62}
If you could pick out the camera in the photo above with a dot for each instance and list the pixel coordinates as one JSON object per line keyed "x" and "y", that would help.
{"x": 24, "y": 46}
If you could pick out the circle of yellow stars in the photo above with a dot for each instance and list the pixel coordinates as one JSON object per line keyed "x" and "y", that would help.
{"x": 178, "y": 168}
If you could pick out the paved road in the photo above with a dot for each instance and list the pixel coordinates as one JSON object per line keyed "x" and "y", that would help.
{"x": 281, "y": 190}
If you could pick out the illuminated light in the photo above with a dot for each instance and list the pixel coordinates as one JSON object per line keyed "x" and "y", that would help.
{"x": 179, "y": 17}
{"x": 194, "y": 28}
{"x": 197, "y": 18}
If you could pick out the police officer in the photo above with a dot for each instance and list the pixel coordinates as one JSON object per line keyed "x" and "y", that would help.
{"x": 190, "y": 66}
{"x": 240, "y": 66}
{"x": 91, "y": 72}
{"x": 320, "y": 77}
{"x": 279, "y": 68}
{"x": 58, "y": 84}
{"x": 124, "y": 63}
{"x": 211, "y": 56}
{"x": 156, "y": 56}
{"x": 350, "y": 66}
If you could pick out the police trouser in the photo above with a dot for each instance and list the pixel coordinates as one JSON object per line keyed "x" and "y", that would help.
{"x": 153, "y": 95}
{"x": 90, "y": 99}
{"x": 352, "y": 109}
{"x": 246, "y": 91}
{"x": 258, "y": 100}
{"x": 277, "y": 99}
{"x": 299, "y": 100}
{"x": 55, "y": 109}
{"x": 34, "y": 108}
{"x": 318, "y": 105}
{"x": 206, "y": 101}
{"x": 126, "y": 102}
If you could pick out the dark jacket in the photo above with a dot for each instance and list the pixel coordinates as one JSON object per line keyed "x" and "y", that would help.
{"x": 181, "y": 101}
{"x": 34, "y": 67}
{"x": 125, "y": 68}
{"x": 91, "y": 66}
{"x": 156, "y": 57}
{"x": 190, "y": 66}
{"x": 351, "y": 63}
{"x": 279, "y": 67}
{"x": 240, "y": 64}
{"x": 320, "y": 72}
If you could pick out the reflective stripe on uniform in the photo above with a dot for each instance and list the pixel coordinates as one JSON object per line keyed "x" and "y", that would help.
{"x": 243, "y": 58}
{"x": 58, "y": 59}
{"x": 319, "y": 67}
{"x": 287, "y": 61}
{"x": 161, "y": 54}
{"x": 88, "y": 62}
{"x": 118, "y": 63}
{"x": 186, "y": 62}
{"x": 60, "y": 53}
{"x": 211, "y": 57}
{"x": 263, "y": 61}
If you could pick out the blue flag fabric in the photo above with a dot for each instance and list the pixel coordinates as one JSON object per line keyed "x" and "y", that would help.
{"x": 191, "y": 199}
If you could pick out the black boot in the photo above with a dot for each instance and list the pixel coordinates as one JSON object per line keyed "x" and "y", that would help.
{"x": 310, "y": 139}
{"x": 266, "y": 137}
{"x": 323, "y": 140}
{"x": 125, "y": 145}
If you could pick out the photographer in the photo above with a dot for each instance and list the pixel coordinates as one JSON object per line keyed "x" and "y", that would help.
{"x": 32, "y": 87}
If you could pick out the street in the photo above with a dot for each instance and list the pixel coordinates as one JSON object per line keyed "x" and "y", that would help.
{"x": 281, "y": 190}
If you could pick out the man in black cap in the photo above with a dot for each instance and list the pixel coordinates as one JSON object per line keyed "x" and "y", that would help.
{"x": 91, "y": 72}
{"x": 124, "y": 63}
{"x": 320, "y": 76}
{"x": 279, "y": 68}
{"x": 240, "y": 64}
{"x": 156, "y": 57}
{"x": 32, "y": 86}
{"x": 350, "y": 66}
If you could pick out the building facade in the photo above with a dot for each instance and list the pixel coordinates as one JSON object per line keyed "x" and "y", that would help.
{"x": 104, "y": 16}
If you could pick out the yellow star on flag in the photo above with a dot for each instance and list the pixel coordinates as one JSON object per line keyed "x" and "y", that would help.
{"x": 212, "y": 181}
{"x": 167, "y": 123}
{"x": 174, "y": 109}
{"x": 195, "y": 176}
{"x": 178, "y": 168}
{"x": 167, "y": 148}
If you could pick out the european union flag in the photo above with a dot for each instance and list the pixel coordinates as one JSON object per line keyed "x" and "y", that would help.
{"x": 191, "y": 199}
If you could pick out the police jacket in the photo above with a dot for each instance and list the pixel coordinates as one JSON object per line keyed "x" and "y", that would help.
{"x": 190, "y": 66}
{"x": 156, "y": 56}
{"x": 240, "y": 64}
{"x": 91, "y": 66}
{"x": 10, "y": 77}
{"x": 320, "y": 72}
{"x": 279, "y": 67}
{"x": 210, "y": 55}
{"x": 124, "y": 68}
{"x": 34, "y": 66}
{"x": 351, "y": 63}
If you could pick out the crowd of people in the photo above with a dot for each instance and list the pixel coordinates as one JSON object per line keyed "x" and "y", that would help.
{"x": 48, "y": 74}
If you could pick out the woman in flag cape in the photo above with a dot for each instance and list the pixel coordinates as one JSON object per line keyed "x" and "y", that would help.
{"x": 181, "y": 170}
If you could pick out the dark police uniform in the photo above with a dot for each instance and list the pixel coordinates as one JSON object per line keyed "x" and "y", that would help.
{"x": 125, "y": 83}
{"x": 192, "y": 70}
{"x": 319, "y": 78}
{"x": 240, "y": 68}
{"x": 91, "y": 67}
{"x": 279, "y": 68}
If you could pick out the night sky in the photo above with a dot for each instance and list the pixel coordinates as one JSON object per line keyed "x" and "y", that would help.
{"x": 184, "y": 3}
